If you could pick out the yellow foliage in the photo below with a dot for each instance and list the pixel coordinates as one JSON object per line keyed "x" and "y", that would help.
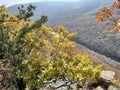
{"x": 115, "y": 82}
{"x": 58, "y": 57}
{"x": 50, "y": 54}
{"x": 13, "y": 22}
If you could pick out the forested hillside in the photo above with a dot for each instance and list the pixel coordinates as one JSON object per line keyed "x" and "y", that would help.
{"x": 38, "y": 49}
{"x": 80, "y": 16}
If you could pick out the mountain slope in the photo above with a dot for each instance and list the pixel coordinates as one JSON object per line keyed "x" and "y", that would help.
{"x": 80, "y": 17}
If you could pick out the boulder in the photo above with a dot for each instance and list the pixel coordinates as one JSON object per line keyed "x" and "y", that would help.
{"x": 100, "y": 88}
{"x": 112, "y": 87}
{"x": 106, "y": 77}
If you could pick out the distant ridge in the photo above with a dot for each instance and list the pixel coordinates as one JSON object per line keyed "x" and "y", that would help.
{"x": 80, "y": 17}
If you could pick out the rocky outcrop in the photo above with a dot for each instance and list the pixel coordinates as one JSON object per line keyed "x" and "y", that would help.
{"x": 100, "y": 88}
{"x": 106, "y": 77}
{"x": 105, "y": 81}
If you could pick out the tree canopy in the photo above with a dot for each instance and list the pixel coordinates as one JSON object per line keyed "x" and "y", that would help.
{"x": 33, "y": 55}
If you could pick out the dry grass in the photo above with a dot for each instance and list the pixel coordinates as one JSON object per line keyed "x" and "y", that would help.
{"x": 96, "y": 60}
{"x": 106, "y": 66}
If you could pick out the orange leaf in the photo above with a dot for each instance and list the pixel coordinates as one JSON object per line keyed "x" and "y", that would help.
{"x": 111, "y": 28}
{"x": 99, "y": 17}
{"x": 118, "y": 29}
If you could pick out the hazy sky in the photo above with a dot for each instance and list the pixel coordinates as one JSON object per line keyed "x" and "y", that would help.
{"x": 12, "y": 2}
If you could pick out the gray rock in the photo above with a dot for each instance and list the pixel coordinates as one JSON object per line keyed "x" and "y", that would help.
{"x": 107, "y": 76}
{"x": 100, "y": 88}
{"x": 112, "y": 87}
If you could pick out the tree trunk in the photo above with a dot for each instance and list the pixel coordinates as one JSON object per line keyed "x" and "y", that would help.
{"x": 20, "y": 84}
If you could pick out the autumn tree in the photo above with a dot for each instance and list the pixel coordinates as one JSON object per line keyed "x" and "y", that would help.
{"x": 12, "y": 31}
{"x": 109, "y": 14}
{"x": 33, "y": 55}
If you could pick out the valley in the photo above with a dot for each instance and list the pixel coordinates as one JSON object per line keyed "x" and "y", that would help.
{"x": 81, "y": 17}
